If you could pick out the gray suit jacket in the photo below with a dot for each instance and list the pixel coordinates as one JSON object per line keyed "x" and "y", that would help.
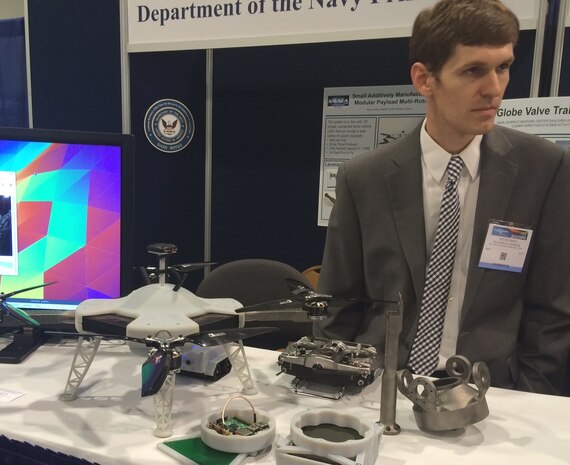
{"x": 518, "y": 323}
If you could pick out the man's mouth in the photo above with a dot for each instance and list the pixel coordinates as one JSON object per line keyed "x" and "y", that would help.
{"x": 491, "y": 110}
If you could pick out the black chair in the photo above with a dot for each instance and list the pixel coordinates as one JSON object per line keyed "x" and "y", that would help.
{"x": 253, "y": 281}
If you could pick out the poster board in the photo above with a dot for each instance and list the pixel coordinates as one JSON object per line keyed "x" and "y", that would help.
{"x": 359, "y": 119}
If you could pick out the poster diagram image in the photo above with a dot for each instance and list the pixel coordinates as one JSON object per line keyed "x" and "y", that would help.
{"x": 392, "y": 129}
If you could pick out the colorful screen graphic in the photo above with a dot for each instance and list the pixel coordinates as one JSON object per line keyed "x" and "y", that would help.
{"x": 65, "y": 221}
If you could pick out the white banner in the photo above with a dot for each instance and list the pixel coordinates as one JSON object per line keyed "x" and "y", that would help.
{"x": 548, "y": 117}
{"x": 155, "y": 25}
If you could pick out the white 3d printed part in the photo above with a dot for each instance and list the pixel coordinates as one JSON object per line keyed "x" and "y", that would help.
{"x": 304, "y": 449}
{"x": 237, "y": 443}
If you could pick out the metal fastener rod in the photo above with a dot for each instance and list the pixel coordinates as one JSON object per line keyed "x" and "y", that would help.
{"x": 389, "y": 381}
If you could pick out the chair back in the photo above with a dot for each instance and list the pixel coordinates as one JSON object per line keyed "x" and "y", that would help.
{"x": 254, "y": 281}
{"x": 250, "y": 281}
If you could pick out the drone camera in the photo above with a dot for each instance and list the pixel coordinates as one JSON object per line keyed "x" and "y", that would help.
{"x": 162, "y": 248}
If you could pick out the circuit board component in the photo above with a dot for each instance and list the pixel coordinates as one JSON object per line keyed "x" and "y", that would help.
{"x": 231, "y": 426}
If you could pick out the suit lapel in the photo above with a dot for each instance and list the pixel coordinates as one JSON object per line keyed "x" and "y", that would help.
{"x": 498, "y": 175}
{"x": 405, "y": 188}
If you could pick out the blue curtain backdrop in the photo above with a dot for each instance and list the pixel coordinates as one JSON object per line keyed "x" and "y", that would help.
{"x": 13, "y": 87}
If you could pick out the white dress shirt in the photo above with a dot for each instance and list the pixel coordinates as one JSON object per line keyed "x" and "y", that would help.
{"x": 434, "y": 166}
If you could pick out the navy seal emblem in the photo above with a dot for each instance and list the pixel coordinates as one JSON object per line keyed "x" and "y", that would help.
{"x": 169, "y": 125}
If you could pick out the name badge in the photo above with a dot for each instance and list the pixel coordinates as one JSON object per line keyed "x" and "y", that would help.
{"x": 506, "y": 246}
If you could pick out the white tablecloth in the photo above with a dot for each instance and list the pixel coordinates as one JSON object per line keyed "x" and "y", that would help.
{"x": 111, "y": 424}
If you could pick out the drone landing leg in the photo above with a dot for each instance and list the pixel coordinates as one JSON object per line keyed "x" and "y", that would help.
{"x": 163, "y": 407}
{"x": 236, "y": 355}
{"x": 84, "y": 355}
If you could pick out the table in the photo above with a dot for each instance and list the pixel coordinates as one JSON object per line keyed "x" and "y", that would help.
{"x": 111, "y": 424}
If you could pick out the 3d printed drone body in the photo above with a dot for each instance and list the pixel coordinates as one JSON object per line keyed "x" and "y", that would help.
{"x": 159, "y": 314}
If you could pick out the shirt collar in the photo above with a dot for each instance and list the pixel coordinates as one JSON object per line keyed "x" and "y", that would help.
{"x": 436, "y": 158}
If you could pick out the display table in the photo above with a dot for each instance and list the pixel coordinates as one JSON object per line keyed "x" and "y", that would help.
{"x": 111, "y": 424}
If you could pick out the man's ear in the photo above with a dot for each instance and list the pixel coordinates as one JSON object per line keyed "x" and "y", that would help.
{"x": 422, "y": 79}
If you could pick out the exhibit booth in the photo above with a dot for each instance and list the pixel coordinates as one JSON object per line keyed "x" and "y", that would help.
{"x": 227, "y": 102}
{"x": 247, "y": 184}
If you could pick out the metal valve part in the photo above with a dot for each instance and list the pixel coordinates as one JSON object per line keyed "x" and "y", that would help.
{"x": 448, "y": 403}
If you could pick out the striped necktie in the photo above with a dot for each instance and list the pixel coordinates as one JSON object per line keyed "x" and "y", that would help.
{"x": 425, "y": 349}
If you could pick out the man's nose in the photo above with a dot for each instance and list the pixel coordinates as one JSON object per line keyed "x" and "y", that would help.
{"x": 494, "y": 84}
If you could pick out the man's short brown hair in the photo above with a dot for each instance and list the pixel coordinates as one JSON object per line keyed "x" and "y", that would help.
{"x": 438, "y": 30}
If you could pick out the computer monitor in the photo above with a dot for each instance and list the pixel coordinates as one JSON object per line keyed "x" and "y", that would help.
{"x": 66, "y": 216}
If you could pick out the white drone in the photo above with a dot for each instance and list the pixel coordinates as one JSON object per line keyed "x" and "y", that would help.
{"x": 162, "y": 316}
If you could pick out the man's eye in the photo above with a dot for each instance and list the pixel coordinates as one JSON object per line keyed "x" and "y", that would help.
{"x": 504, "y": 67}
{"x": 475, "y": 71}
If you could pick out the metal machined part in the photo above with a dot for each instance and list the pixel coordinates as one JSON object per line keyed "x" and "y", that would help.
{"x": 330, "y": 362}
{"x": 448, "y": 403}
{"x": 389, "y": 393}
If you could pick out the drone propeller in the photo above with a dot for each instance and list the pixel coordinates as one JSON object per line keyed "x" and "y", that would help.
{"x": 303, "y": 298}
{"x": 225, "y": 336}
{"x": 6, "y": 308}
{"x": 188, "y": 267}
{"x": 178, "y": 272}
{"x": 297, "y": 287}
{"x": 18, "y": 314}
{"x": 19, "y": 291}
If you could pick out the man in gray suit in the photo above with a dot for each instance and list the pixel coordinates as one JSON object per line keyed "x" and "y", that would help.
{"x": 512, "y": 314}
